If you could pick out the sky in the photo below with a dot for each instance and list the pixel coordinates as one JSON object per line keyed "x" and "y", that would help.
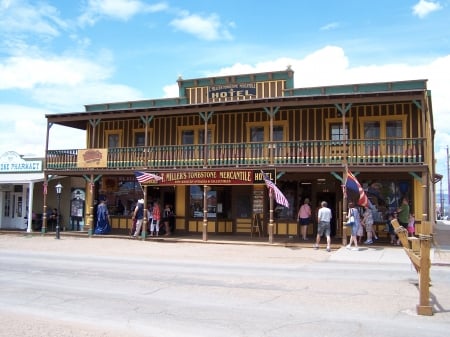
{"x": 57, "y": 56}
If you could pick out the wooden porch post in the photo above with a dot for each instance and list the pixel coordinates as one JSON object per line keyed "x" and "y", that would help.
{"x": 44, "y": 214}
{"x": 205, "y": 213}
{"x": 424, "y": 308}
{"x": 270, "y": 217}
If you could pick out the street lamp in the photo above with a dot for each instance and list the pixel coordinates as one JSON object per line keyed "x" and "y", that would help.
{"x": 58, "y": 196}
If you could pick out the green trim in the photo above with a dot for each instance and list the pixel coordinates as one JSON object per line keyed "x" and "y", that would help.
{"x": 272, "y": 111}
{"x": 206, "y": 116}
{"x": 337, "y": 176}
{"x": 416, "y": 176}
{"x": 345, "y": 110}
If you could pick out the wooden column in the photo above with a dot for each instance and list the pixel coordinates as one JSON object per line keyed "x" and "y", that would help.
{"x": 424, "y": 308}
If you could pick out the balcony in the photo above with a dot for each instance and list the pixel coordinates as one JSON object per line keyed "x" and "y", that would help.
{"x": 282, "y": 154}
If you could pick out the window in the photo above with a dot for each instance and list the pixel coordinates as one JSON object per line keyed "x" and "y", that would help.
{"x": 113, "y": 139}
{"x": 278, "y": 133}
{"x": 195, "y": 135}
{"x": 139, "y": 137}
{"x": 383, "y": 136}
{"x": 257, "y": 134}
{"x": 372, "y": 130}
{"x": 260, "y": 131}
{"x": 196, "y": 202}
{"x": 337, "y": 133}
{"x": 388, "y": 128}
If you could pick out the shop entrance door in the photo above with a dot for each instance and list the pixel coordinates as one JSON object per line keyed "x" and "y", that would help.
{"x": 13, "y": 211}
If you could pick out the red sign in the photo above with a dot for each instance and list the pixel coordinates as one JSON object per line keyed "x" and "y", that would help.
{"x": 214, "y": 177}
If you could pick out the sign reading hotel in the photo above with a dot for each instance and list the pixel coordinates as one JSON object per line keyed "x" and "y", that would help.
{"x": 12, "y": 162}
{"x": 232, "y": 90}
{"x": 215, "y": 177}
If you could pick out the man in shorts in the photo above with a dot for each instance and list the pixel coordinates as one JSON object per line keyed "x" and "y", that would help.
{"x": 323, "y": 227}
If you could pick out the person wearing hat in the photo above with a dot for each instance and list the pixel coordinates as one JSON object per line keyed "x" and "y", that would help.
{"x": 304, "y": 218}
{"x": 138, "y": 215}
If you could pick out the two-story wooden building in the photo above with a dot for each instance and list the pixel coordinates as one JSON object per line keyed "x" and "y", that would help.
{"x": 211, "y": 143}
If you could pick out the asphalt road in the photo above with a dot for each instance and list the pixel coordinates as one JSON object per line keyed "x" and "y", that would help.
{"x": 110, "y": 287}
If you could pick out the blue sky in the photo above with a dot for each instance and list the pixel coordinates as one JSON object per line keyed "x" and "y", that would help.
{"x": 56, "y": 56}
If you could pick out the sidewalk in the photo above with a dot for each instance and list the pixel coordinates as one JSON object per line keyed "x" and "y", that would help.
{"x": 380, "y": 252}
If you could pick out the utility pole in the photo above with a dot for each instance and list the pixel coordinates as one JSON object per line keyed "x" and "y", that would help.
{"x": 441, "y": 202}
{"x": 448, "y": 184}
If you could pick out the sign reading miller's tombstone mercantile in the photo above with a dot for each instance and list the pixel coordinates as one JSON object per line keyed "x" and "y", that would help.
{"x": 214, "y": 177}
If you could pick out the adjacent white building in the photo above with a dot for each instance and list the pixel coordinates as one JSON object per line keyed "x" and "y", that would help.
{"x": 20, "y": 177}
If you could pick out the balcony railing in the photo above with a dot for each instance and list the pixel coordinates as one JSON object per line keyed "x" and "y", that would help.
{"x": 357, "y": 152}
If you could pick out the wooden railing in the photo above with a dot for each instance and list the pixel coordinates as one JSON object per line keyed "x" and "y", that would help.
{"x": 356, "y": 152}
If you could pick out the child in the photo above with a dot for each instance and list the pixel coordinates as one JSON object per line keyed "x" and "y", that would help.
{"x": 411, "y": 223}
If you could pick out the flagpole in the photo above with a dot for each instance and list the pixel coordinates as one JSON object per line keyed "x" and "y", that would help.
{"x": 145, "y": 220}
{"x": 345, "y": 162}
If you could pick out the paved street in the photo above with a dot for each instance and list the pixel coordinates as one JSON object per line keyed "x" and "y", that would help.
{"x": 115, "y": 287}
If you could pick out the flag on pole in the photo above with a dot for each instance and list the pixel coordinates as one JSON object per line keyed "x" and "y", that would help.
{"x": 145, "y": 177}
{"x": 353, "y": 184}
{"x": 279, "y": 196}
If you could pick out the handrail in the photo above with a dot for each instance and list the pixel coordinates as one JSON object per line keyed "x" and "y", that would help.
{"x": 399, "y": 151}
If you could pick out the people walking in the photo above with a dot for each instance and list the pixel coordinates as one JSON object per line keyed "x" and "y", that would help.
{"x": 103, "y": 225}
{"x": 154, "y": 227}
{"x": 367, "y": 222}
{"x": 138, "y": 215}
{"x": 304, "y": 218}
{"x": 353, "y": 212}
{"x": 323, "y": 225}
{"x": 166, "y": 219}
{"x": 404, "y": 213}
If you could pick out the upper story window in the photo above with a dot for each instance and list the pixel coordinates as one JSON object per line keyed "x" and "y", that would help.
{"x": 195, "y": 135}
{"x": 372, "y": 130}
{"x": 260, "y": 132}
{"x": 394, "y": 129}
{"x": 384, "y": 135}
{"x": 139, "y": 137}
{"x": 337, "y": 132}
{"x": 383, "y": 128}
{"x": 113, "y": 138}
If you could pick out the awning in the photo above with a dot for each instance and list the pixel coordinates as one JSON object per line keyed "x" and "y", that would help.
{"x": 21, "y": 178}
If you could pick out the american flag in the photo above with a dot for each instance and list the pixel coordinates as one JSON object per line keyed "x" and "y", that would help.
{"x": 353, "y": 184}
{"x": 279, "y": 196}
{"x": 145, "y": 177}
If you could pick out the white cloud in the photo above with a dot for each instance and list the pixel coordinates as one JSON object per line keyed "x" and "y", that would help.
{"x": 73, "y": 98}
{"x": 424, "y": 7}
{"x": 27, "y": 134}
{"x": 25, "y": 72}
{"x": 21, "y": 17}
{"x": 171, "y": 90}
{"x": 117, "y": 9}
{"x": 330, "y": 26}
{"x": 206, "y": 28}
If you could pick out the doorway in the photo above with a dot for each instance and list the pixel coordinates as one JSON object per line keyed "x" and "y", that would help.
{"x": 14, "y": 209}
{"x": 330, "y": 198}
